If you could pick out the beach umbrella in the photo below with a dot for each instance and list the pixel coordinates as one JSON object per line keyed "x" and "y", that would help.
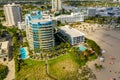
{"x": 103, "y": 51}
{"x": 102, "y": 59}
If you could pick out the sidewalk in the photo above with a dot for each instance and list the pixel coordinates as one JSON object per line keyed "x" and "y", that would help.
{"x": 11, "y": 73}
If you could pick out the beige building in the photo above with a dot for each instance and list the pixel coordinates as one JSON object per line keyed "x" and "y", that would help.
{"x": 56, "y": 5}
{"x": 4, "y": 50}
{"x": 13, "y": 14}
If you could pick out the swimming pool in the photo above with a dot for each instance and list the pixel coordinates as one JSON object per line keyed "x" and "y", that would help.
{"x": 23, "y": 53}
{"x": 82, "y": 48}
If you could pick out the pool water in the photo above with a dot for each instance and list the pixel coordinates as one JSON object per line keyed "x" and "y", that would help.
{"x": 82, "y": 48}
{"x": 23, "y": 53}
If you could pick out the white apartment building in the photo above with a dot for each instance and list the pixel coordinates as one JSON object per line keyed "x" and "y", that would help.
{"x": 74, "y": 17}
{"x": 56, "y": 5}
{"x": 13, "y": 14}
{"x": 4, "y": 50}
{"x": 74, "y": 36}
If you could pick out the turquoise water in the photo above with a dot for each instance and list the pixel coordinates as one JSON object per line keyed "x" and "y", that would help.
{"x": 23, "y": 54}
{"x": 82, "y": 48}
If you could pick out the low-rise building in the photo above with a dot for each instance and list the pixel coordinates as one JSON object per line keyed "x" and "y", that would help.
{"x": 91, "y": 11}
{"x": 73, "y": 36}
{"x": 4, "y": 51}
{"x": 74, "y": 17}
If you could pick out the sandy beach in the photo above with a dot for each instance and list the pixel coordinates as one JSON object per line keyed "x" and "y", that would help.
{"x": 109, "y": 40}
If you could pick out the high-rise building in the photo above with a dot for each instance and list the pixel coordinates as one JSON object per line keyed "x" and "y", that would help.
{"x": 39, "y": 31}
{"x": 13, "y": 14}
{"x": 56, "y": 5}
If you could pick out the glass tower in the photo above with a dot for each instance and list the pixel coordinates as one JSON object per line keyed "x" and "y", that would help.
{"x": 39, "y": 31}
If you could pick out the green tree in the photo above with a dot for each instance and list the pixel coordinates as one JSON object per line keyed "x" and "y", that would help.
{"x": 3, "y": 71}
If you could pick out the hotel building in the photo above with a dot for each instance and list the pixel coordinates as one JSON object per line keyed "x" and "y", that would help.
{"x": 73, "y": 36}
{"x": 39, "y": 31}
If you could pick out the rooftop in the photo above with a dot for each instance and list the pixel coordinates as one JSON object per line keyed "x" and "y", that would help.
{"x": 70, "y": 15}
{"x": 71, "y": 31}
{"x": 13, "y": 4}
{"x": 37, "y": 16}
{"x": 40, "y": 20}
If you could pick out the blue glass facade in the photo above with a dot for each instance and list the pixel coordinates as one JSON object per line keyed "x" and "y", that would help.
{"x": 39, "y": 32}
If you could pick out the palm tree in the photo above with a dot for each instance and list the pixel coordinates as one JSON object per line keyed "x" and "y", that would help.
{"x": 82, "y": 57}
{"x": 76, "y": 50}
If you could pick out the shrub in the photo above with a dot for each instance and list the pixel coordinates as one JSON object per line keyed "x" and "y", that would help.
{"x": 3, "y": 71}
{"x": 94, "y": 46}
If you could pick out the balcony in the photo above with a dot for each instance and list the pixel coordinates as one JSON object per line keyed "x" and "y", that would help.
{"x": 47, "y": 41}
{"x": 45, "y": 35}
{"x": 46, "y": 46}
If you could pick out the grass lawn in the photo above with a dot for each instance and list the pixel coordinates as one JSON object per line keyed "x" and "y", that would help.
{"x": 33, "y": 70}
{"x": 64, "y": 67}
